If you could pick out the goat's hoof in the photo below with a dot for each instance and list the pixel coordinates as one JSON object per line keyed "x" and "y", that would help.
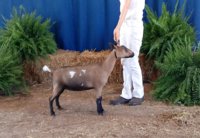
{"x": 101, "y": 112}
{"x": 53, "y": 114}
{"x": 60, "y": 108}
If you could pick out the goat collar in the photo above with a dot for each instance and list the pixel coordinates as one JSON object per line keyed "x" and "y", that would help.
{"x": 115, "y": 54}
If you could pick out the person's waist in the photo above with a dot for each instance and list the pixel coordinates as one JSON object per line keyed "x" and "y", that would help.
{"x": 134, "y": 19}
{"x": 133, "y": 22}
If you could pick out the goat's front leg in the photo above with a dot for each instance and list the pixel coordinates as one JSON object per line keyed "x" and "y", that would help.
{"x": 100, "y": 109}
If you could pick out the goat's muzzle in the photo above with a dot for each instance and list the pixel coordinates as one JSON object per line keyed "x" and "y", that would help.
{"x": 130, "y": 56}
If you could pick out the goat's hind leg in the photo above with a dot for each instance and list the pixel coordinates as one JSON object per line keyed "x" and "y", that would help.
{"x": 57, "y": 100}
{"x": 56, "y": 93}
{"x": 51, "y": 99}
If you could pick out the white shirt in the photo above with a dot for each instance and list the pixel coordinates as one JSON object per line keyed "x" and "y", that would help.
{"x": 135, "y": 11}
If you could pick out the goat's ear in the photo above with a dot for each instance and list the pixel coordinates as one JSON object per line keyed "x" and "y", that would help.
{"x": 115, "y": 46}
{"x": 112, "y": 46}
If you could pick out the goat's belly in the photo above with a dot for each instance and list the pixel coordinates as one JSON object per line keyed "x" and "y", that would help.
{"x": 77, "y": 87}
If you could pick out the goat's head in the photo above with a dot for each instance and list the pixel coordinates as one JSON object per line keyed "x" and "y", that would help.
{"x": 122, "y": 52}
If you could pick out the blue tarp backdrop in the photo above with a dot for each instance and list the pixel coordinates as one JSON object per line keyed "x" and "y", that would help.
{"x": 89, "y": 24}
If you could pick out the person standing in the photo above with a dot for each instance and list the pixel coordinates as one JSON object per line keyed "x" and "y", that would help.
{"x": 129, "y": 32}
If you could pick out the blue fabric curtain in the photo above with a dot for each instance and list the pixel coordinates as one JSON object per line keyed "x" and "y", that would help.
{"x": 88, "y": 24}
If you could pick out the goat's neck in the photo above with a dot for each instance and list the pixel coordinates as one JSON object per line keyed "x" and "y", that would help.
{"x": 109, "y": 62}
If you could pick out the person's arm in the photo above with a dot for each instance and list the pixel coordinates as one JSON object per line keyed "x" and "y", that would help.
{"x": 121, "y": 20}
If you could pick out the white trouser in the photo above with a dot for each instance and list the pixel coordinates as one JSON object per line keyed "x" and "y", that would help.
{"x": 131, "y": 36}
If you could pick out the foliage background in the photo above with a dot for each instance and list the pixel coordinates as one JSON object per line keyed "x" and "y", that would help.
{"x": 25, "y": 37}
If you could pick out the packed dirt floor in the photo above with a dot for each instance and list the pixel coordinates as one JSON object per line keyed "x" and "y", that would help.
{"x": 27, "y": 116}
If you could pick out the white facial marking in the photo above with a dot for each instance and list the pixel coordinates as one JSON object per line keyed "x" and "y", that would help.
{"x": 72, "y": 73}
{"x": 83, "y": 70}
{"x": 82, "y": 84}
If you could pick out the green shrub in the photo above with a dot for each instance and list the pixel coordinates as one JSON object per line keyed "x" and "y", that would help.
{"x": 196, "y": 46}
{"x": 160, "y": 33}
{"x": 179, "y": 82}
{"x": 11, "y": 74}
{"x": 24, "y": 37}
{"x": 28, "y": 34}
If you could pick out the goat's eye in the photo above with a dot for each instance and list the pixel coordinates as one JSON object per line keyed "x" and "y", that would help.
{"x": 125, "y": 48}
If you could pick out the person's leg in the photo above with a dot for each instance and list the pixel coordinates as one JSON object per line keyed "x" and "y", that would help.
{"x": 136, "y": 78}
{"x": 126, "y": 94}
{"x": 135, "y": 69}
{"x": 131, "y": 37}
{"x": 127, "y": 81}
{"x": 138, "y": 91}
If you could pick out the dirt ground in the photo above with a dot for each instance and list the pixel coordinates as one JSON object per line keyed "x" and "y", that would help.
{"x": 27, "y": 116}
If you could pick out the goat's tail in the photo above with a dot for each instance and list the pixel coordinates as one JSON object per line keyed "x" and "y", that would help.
{"x": 46, "y": 69}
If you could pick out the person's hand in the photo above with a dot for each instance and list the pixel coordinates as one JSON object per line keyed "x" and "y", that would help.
{"x": 116, "y": 34}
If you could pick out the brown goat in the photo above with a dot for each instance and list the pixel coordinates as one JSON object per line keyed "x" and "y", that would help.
{"x": 93, "y": 76}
